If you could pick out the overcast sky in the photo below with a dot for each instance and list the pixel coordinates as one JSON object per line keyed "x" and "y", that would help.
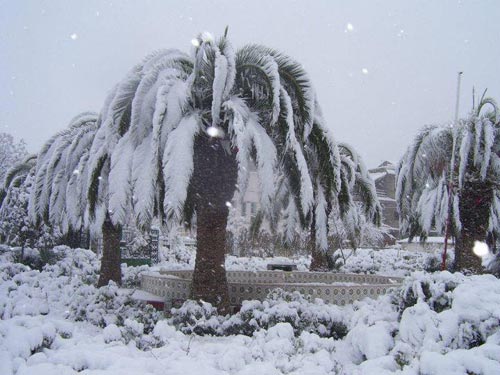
{"x": 382, "y": 69}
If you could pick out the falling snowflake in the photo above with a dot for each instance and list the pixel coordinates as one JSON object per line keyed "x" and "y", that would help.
{"x": 364, "y": 71}
{"x": 195, "y": 42}
{"x": 228, "y": 204}
{"x": 215, "y": 132}
{"x": 480, "y": 249}
{"x": 74, "y": 36}
{"x": 349, "y": 27}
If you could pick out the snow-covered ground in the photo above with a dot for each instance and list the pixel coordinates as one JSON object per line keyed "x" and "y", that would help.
{"x": 55, "y": 322}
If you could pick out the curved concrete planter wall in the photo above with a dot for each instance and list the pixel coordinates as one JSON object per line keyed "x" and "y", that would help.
{"x": 333, "y": 288}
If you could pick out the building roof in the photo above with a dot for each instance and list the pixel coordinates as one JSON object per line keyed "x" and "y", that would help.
{"x": 382, "y": 170}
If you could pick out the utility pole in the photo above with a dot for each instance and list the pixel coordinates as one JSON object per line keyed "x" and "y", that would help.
{"x": 452, "y": 169}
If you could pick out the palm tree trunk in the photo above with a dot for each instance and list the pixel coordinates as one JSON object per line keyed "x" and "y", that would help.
{"x": 465, "y": 259}
{"x": 214, "y": 180}
{"x": 111, "y": 255}
{"x": 73, "y": 238}
{"x": 475, "y": 200}
{"x": 319, "y": 260}
{"x": 209, "y": 277}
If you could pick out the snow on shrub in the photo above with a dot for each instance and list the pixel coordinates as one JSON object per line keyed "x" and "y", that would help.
{"x": 279, "y": 307}
{"x": 111, "y": 333}
{"x": 131, "y": 276}
{"x": 110, "y": 305}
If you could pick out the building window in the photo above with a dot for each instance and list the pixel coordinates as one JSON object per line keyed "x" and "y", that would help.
{"x": 244, "y": 209}
{"x": 253, "y": 208}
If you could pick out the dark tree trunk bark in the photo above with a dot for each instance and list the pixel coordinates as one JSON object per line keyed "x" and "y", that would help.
{"x": 214, "y": 180}
{"x": 73, "y": 239}
{"x": 111, "y": 256}
{"x": 209, "y": 277}
{"x": 475, "y": 200}
{"x": 319, "y": 260}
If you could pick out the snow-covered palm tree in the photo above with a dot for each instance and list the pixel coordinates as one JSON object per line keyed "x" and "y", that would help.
{"x": 179, "y": 132}
{"x": 58, "y": 195}
{"x": 422, "y": 192}
{"x": 16, "y": 175}
{"x": 356, "y": 197}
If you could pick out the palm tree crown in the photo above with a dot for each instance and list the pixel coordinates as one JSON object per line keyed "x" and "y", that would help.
{"x": 258, "y": 103}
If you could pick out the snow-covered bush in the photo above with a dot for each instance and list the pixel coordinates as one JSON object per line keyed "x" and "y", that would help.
{"x": 279, "y": 307}
{"x": 131, "y": 276}
{"x": 435, "y": 290}
{"x": 178, "y": 253}
{"x": 110, "y": 305}
{"x": 200, "y": 318}
{"x": 448, "y": 311}
{"x": 433, "y": 262}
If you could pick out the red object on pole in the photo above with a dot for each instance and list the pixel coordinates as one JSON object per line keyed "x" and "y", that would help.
{"x": 446, "y": 232}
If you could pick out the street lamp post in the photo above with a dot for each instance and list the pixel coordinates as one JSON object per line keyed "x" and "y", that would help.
{"x": 452, "y": 169}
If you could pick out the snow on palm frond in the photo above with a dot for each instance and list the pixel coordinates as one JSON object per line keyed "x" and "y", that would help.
{"x": 226, "y": 49}
{"x": 178, "y": 166}
{"x": 144, "y": 173}
{"x": 360, "y": 182}
{"x": 240, "y": 137}
{"x": 170, "y": 107}
{"x": 55, "y": 165}
{"x": 247, "y": 134}
{"x": 327, "y": 154}
{"x": 76, "y": 193}
{"x": 296, "y": 82}
{"x": 218, "y": 85}
{"x": 18, "y": 171}
{"x": 306, "y": 188}
{"x": 120, "y": 188}
{"x": 258, "y": 72}
{"x": 266, "y": 156}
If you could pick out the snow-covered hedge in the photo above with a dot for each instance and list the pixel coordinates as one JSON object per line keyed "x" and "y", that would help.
{"x": 279, "y": 307}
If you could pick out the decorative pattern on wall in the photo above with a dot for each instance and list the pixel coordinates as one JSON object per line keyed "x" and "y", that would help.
{"x": 340, "y": 289}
